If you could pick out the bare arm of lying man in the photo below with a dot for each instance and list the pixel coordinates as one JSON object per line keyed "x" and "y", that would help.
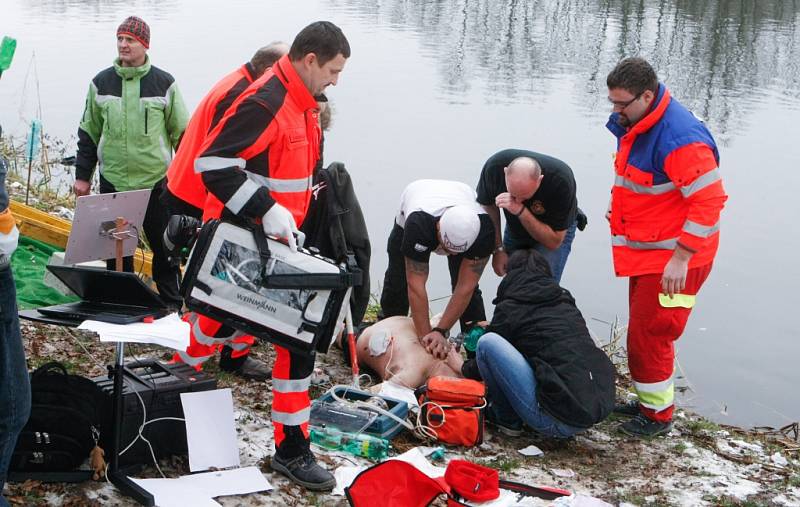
{"x": 391, "y": 348}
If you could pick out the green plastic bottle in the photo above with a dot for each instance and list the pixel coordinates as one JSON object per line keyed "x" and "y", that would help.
{"x": 366, "y": 446}
{"x": 7, "y": 49}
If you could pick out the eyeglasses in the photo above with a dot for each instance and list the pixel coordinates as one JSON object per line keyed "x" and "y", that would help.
{"x": 623, "y": 104}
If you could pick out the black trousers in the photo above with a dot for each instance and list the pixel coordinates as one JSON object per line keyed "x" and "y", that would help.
{"x": 155, "y": 222}
{"x": 394, "y": 298}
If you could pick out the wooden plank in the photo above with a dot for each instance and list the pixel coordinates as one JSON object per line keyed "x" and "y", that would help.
{"x": 20, "y": 210}
{"x": 43, "y": 232}
{"x": 54, "y": 231}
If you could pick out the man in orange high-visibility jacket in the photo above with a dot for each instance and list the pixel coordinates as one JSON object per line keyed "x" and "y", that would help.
{"x": 664, "y": 217}
{"x": 185, "y": 194}
{"x": 257, "y": 164}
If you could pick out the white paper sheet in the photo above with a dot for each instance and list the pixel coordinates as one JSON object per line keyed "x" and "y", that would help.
{"x": 174, "y": 493}
{"x": 399, "y": 392}
{"x": 238, "y": 481}
{"x": 169, "y": 331}
{"x": 415, "y": 457}
{"x": 210, "y": 431}
{"x": 200, "y": 489}
{"x": 345, "y": 475}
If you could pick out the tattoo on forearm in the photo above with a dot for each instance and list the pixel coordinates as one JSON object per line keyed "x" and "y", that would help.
{"x": 417, "y": 267}
{"x": 478, "y": 265}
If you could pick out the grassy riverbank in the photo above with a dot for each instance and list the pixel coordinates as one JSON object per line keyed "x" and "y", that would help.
{"x": 698, "y": 463}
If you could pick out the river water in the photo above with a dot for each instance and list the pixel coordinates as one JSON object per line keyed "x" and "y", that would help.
{"x": 434, "y": 88}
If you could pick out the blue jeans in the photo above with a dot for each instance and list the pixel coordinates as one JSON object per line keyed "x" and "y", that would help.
{"x": 511, "y": 387}
{"x": 15, "y": 388}
{"x": 557, "y": 258}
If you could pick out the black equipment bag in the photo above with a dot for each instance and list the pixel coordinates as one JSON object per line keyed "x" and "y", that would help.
{"x": 257, "y": 285}
{"x": 158, "y": 387}
{"x": 335, "y": 226}
{"x": 65, "y": 422}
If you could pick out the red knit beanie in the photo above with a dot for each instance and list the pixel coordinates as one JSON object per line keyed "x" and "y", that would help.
{"x": 136, "y": 28}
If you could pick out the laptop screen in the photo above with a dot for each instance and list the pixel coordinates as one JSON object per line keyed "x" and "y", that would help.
{"x": 99, "y": 285}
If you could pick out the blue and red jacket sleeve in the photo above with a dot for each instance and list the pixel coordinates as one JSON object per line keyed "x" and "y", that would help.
{"x": 694, "y": 170}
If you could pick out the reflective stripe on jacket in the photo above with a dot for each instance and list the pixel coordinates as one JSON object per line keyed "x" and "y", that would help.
{"x": 667, "y": 189}
{"x": 132, "y": 121}
{"x": 182, "y": 181}
{"x": 264, "y": 149}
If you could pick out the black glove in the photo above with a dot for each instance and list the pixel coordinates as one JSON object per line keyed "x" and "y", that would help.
{"x": 581, "y": 219}
{"x": 470, "y": 369}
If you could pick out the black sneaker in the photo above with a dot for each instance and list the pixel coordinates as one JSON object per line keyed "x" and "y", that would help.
{"x": 643, "y": 426}
{"x": 630, "y": 408}
{"x": 305, "y": 471}
{"x": 251, "y": 369}
{"x": 507, "y": 429}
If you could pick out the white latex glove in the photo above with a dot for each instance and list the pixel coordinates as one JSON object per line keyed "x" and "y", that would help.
{"x": 278, "y": 221}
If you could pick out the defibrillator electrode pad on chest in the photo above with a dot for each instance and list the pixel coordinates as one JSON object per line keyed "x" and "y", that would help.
{"x": 379, "y": 342}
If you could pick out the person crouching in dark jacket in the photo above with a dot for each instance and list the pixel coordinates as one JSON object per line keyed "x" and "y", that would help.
{"x": 540, "y": 364}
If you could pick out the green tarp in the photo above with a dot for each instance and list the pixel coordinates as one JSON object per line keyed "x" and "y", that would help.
{"x": 28, "y": 264}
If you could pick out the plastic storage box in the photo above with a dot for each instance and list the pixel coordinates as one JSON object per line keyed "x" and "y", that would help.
{"x": 383, "y": 426}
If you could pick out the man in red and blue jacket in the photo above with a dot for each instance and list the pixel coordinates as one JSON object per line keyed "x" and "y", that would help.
{"x": 664, "y": 217}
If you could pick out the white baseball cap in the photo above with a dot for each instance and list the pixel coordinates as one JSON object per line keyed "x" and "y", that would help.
{"x": 459, "y": 227}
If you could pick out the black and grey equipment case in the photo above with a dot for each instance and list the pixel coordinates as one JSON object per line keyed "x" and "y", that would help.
{"x": 257, "y": 285}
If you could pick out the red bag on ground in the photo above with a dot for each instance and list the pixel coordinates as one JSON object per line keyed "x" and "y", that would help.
{"x": 453, "y": 409}
{"x": 395, "y": 483}
{"x": 474, "y": 482}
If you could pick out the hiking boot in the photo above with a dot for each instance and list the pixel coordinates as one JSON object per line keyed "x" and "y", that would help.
{"x": 643, "y": 426}
{"x": 507, "y": 429}
{"x": 251, "y": 369}
{"x": 305, "y": 471}
{"x": 629, "y": 408}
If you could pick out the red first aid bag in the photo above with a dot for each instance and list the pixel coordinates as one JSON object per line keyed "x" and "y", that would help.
{"x": 453, "y": 409}
{"x": 395, "y": 483}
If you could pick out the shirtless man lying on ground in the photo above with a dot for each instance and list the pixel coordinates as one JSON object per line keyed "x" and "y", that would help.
{"x": 391, "y": 348}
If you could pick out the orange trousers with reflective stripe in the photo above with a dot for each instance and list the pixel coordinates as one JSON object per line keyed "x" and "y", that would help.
{"x": 197, "y": 352}
{"x": 290, "y": 439}
{"x": 653, "y": 329}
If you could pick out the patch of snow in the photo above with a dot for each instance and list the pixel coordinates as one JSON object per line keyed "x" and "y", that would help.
{"x": 579, "y": 500}
{"x": 531, "y": 450}
{"x": 716, "y": 476}
{"x": 755, "y": 447}
{"x": 779, "y": 460}
{"x": 790, "y": 497}
{"x": 64, "y": 213}
{"x": 597, "y": 436}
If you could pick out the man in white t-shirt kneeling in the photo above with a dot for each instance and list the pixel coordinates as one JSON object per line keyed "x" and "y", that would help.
{"x": 442, "y": 217}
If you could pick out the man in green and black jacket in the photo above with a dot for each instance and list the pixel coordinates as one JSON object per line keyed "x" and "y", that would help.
{"x": 132, "y": 123}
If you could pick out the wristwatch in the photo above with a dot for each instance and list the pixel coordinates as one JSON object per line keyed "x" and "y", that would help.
{"x": 443, "y": 332}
